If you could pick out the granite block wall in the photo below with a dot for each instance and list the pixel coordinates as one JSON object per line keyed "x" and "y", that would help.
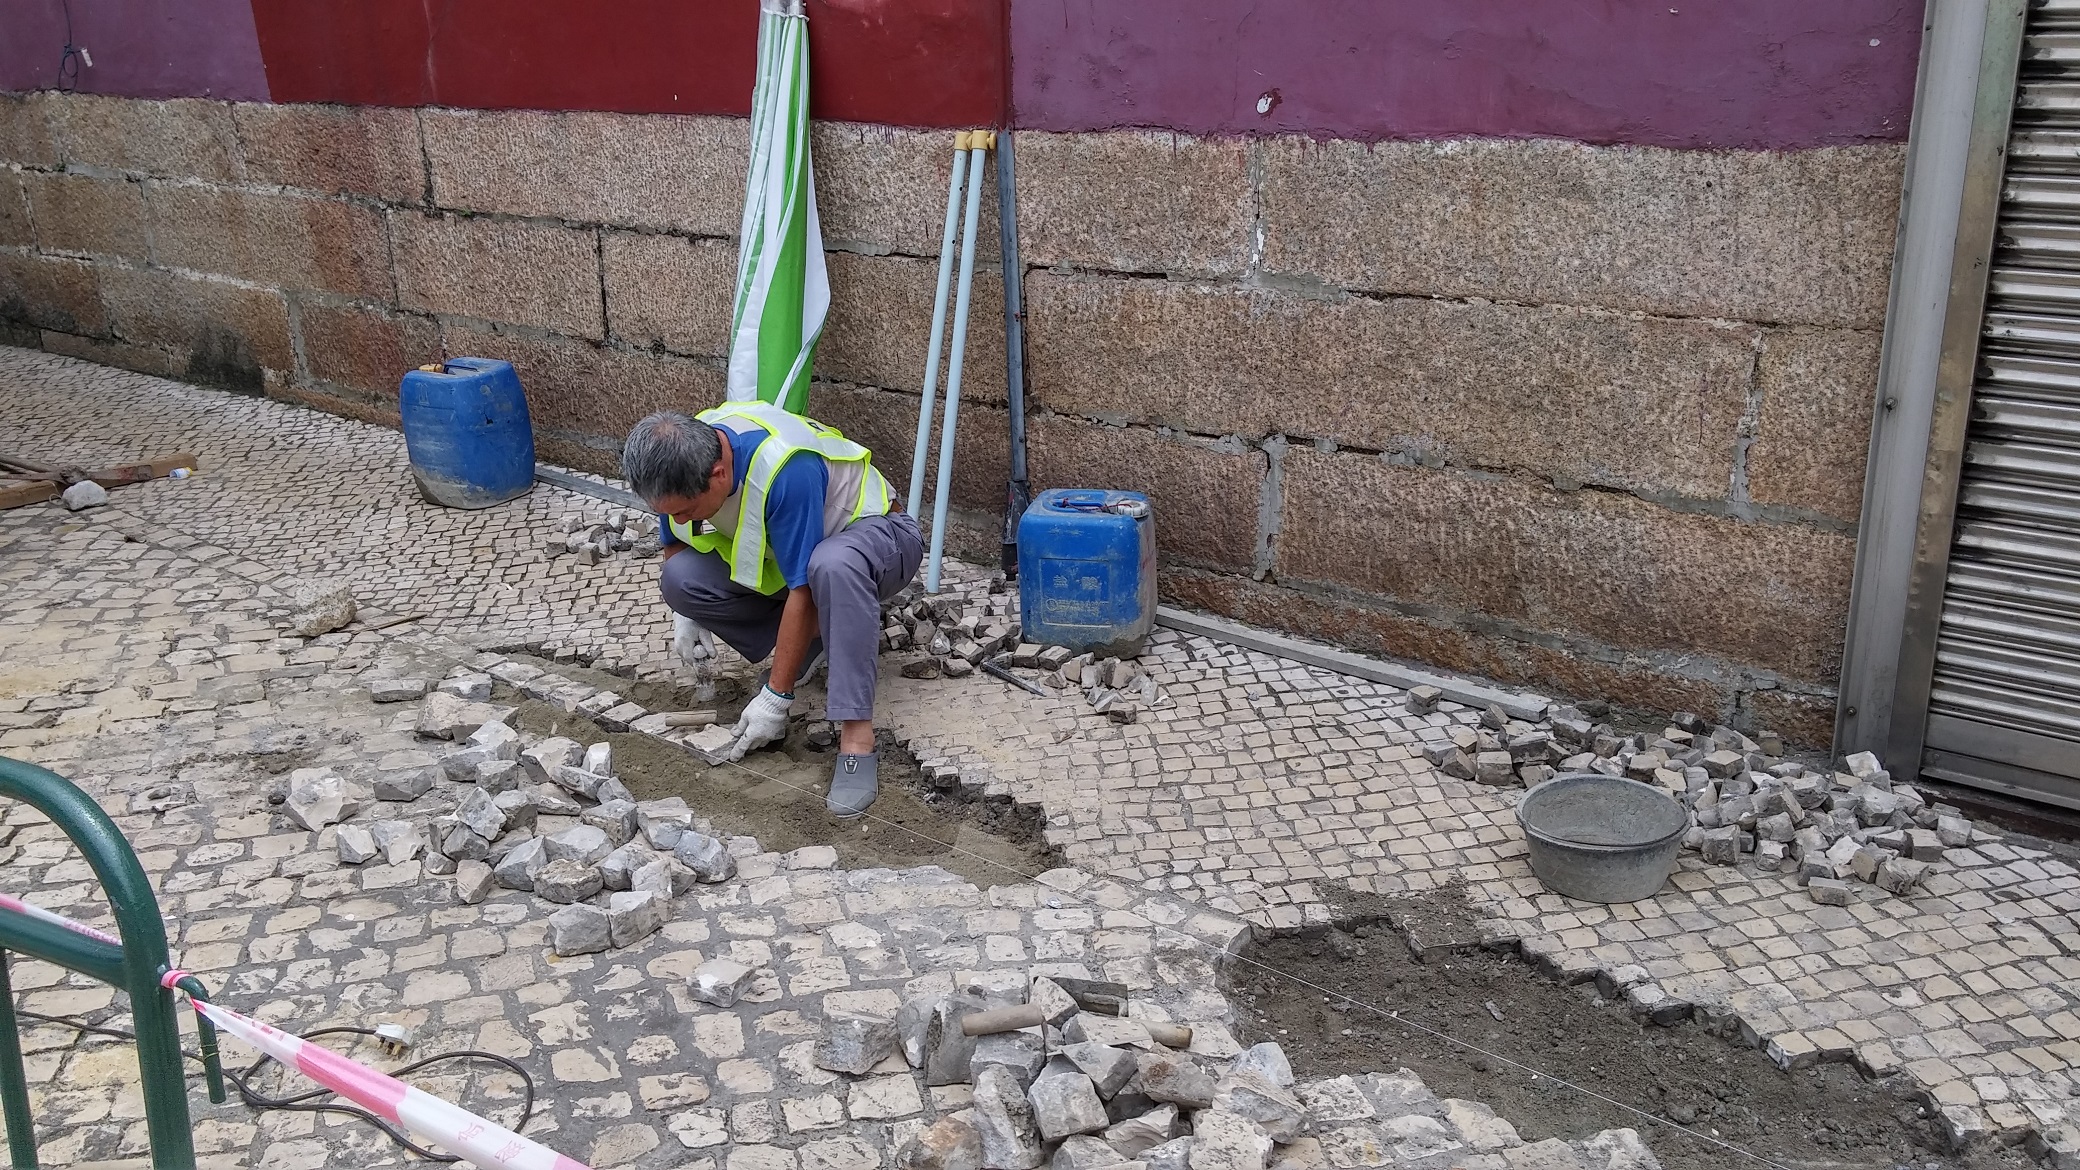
{"x": 1588, "y": 418}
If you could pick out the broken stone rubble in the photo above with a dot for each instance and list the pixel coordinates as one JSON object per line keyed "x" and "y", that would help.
{"x": 579, "y": 929}
{"x": 318, "y": 797}
{"x": 542, "y": 760}
{"x": 634, "y": 915}
{"x": 953, "y": 633}
{"x": 1094, "y": 1106}
{"x": 623, "y": 531}
{"x": 1746, "y": 804}
{"x": 567, "y": 881}
{"x": 355, "y": 844}
{"x": 396, "y": 690}
{"x": 399, "y": 840}
{"x": 468, "y": 685}
{"x": 854, "y": 1044}
{"x": 1019, "y": 1053}
{"x": 444, "y": 716}
{"x": 1824, "y": 827}
{"x": 1065, "y": 1103}
{"x": 720, "y": 982}
{"x": 319, "y": 606}
{"x": 472, "y": 882}
{"x": 403, "y": 777}
{"x": 551, "y": 839}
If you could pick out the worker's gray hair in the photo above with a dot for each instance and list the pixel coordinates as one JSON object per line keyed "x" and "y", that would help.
{"x": 669, "y": 454}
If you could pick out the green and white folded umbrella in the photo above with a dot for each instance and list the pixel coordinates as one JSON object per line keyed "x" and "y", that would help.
{"x": 783, "y": 290}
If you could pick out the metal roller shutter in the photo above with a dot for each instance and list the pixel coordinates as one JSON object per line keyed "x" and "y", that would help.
{"x": 2005, "y": 699}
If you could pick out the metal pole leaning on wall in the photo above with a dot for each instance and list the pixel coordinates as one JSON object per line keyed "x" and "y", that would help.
{"x": 979, "y": 143}
{"x": 1017, "y": 494}
{"x": 931, "y": 361}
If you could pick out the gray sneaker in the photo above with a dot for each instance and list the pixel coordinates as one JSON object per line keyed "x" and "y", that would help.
{"x": 854, "y": 785}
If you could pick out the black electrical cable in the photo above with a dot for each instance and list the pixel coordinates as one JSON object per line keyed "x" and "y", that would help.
{"x": 68, "y": 57}
{"x": 308, "y": 1102}
{"x": 77, "y": 1025}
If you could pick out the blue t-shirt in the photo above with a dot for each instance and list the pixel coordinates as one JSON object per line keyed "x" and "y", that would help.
{"x": 794, "y": 506}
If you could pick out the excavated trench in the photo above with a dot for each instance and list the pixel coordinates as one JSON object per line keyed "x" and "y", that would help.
{"x": 1293, "y": 988}
{"x": 777, "y": 794}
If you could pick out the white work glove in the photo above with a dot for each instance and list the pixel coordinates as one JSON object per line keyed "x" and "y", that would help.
{"x": 692, "y": 643}
{"x": 764, "y": 721}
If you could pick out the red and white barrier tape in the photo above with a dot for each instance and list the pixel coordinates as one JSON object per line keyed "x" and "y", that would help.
{"x": 486, "y": 1143}
{"x": 8, "y": 902}
{"x": 483, "y": 1142}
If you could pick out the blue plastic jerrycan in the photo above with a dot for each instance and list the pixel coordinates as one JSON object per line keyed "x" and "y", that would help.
{"x": 1087, "y": 570}
{"x": 467, "y": 432}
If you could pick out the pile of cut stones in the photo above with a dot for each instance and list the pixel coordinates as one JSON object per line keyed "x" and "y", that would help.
{"x": 625, "y": 531}
{"x": 952, "y": 633}
{"x": 546, "y": 816}
{"x": 1824, "y": 826}
{"x": 1506, "y": 751}
{"x": 1747, "y": 802}
{"x": 1073, "y": 1088}
{"x": 1117, "y": 688}
{"x": 1059, "y": 1074}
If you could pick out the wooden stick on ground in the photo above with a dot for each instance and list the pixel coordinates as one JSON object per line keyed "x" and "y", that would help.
{"x": 29, "y": 482}
{"x": 21, "y": 493}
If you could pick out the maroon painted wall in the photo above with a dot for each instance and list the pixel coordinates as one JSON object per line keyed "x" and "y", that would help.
{"x": 904, "y": 62}
{"x": 1677, "y": 73}
{"x": 141, "y": 48}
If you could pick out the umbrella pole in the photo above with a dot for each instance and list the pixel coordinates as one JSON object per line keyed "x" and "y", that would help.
{"x": 931, "y": 361}
{"x": 979, "y": 143}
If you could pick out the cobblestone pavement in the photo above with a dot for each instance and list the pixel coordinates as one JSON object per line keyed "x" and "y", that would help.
{"x": 168, "y": 690}
{"x": 1263, "y": 789}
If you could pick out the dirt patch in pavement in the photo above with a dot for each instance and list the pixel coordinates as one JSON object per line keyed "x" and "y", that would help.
{"x": 652, "y": 694}
{"x": 777, "y": 796}
{"x": 1827, "y": 1116}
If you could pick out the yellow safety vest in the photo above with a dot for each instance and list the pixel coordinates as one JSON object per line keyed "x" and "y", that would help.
{"x": 738, "y": 532}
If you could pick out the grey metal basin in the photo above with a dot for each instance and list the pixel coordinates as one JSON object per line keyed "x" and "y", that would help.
{"x": 1601, "y": 838}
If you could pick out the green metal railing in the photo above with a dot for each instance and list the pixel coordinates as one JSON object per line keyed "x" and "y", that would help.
{"x": 136, "y": 964}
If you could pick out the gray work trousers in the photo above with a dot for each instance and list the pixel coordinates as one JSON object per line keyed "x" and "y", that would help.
{"x": 850, "y": 575}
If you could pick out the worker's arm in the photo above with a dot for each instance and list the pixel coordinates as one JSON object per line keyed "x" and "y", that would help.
{"x": 797, "y": 630}
{"x": 794, "y": 526}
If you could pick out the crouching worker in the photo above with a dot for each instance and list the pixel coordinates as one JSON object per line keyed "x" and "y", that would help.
{"x": 803, "y": 543}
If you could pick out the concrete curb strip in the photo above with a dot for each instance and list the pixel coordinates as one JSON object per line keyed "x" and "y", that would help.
{"x": 1516, "y": 704}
